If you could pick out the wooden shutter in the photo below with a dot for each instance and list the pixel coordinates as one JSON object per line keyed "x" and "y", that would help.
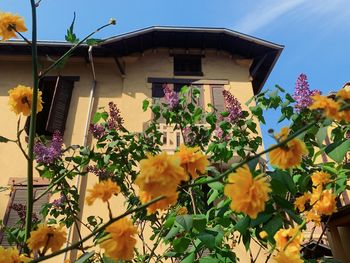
{"x": 19, "y": 196}
{"x": 218, "y": 97}
{"x": 60, "y": 106}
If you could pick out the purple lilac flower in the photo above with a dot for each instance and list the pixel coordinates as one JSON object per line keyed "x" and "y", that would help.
{"x": 348, "y": 135}
{"x": 171, "y": 97}
{"x": 21, "y": 211}
{"x": 233, "y": 106}
{"x": 97, "y": 130}
{"x": 220, "y": 134}
{"x": 49, "y": 152}
{"x": 101, "y": 173}
{"x": 189, "y": 137}
{"x": 302, "y": 93}
{"x": 59, "y": 201}
{"x": 115, "y": 120}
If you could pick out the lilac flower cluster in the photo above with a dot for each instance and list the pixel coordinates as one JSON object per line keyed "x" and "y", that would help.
{"x": 21, "y": 211}
{"x": 233, "y": 106}
{"x": 103, "y": 174}
{"x": 302, "y": 93}
{"x": 49, "y": 152}
{"x": 170, "y": 96}
{"x": 348, "y": 135}
{"x": 188, "y": 135}
{"x": 59, "y": 201}
{"x": 115, "y": 120}
{"x": 97, "y": 130}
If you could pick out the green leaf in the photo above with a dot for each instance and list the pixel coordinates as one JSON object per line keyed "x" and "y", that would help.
{"x": 207, "y": 238}
{"x": 145, "y": 104}
{"x": 93, "y": 41}
{"x": 181, "y": 244}
{"x": 170, "y": 221}
{"x": 71, "y": 37}
{"x": 273, "y": 226}
{"x": 243, "y": 225}
{"x": 185, "y": 221}
{"x": 4, "y": 140}
{"x": 96, "y": 117}
{"x": 338, "y": 150}
{"x": 189, "y": 259}
{"x": 213, "y": 196}
{"x": 216, "y": 186}
{"x": 172, "y": 232}
{"x": 85, "y": 257}
{"x": 321, "y": 136}
{"x": 199, "y": 222}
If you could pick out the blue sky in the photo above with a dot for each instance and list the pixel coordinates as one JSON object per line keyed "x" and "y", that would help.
{"x": 315, "y": 32}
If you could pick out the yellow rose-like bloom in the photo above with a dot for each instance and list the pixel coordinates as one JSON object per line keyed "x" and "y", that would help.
{"x": 182, "y": 211}
{"x": 11, "y": 255}
{"x": 48, "y": 237}
{"x": 320, "y": 178}
{"x": 248, "y": 194}
{"x": 344, "y": 93}
{"x": 283, "y": 237}
{"x": 328, "y": 105}
{"x": 6, "y": 21}
{"x": 20, "y": 100}
{"x": 159, "y": 205}
{"x": 160, "y": 175}
{"x": 286, "y": 257}
{"x": 301, "y": 201}
{"x": 103, "y": 190}
{"x": 288, "y": 155}
{"x": 312, "y": 216}
{"x": 192, "y": 160}
{"x": 122, "y": 242}
{"x": 324, "y": 203}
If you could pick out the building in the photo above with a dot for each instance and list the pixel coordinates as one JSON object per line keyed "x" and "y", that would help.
{"x": 125, "y": 69}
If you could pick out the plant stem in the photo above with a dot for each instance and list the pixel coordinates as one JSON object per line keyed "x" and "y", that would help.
{"x": 233, "y": 168}
{"x": 92, "y": 234}
{"x": 70, "y": 51}
{"x": 29, "y": 211}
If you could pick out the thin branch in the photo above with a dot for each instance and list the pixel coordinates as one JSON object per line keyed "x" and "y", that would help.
{"x": 12, "y": 27}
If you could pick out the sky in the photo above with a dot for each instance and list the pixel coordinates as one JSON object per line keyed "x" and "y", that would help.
{"x": 315, "y": 33}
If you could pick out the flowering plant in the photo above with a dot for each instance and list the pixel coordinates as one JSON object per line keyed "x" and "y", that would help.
{"x": 197, "y": 201}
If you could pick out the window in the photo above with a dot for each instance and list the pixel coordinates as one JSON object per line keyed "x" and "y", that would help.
{"x": 218, "y": 97}
{"x": 56, "y": 95}
{"x": 18, "y": 197}
{"x": 188, "y": 65}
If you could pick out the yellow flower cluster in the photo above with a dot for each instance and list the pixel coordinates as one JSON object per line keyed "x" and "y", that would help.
{"x": 20, "y": 100}
{"x": 288, "y": 245}
{"x": 103, "y": 190}
{"x": 121, "y": 244}
{"x": 192, "y": 160}
{"x": 8, "y": 22}
{"x": 160, "y": 175}
{"x": 320, "y": 201}
{"x": 331, "y": 107}
{"x": 248, "y": 194}
{"x": 12, "y": 255}
{"x": 288, "y": 155}
{"x": 47, "y": 237}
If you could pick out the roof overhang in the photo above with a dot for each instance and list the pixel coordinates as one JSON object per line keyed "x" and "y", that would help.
{"x": 264, "y": 54}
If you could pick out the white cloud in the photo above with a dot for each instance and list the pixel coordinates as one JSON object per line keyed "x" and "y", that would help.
{"x": 265, "y": 14}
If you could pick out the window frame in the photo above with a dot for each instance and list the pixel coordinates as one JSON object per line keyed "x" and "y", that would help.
{"x": 185, "y": 60}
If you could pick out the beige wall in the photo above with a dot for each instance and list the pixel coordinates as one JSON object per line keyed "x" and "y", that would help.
{"x": 127, "y": 92}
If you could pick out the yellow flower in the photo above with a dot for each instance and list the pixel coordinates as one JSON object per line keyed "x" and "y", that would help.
{"x": 320, "y": 178}
{"x": 192, "y": 160}
{"x": 8, "y": 20}
{"x": 248, "y": 194}
{"x": 47, "y": 237}
{"x": 122, "y": 242}
{"x": 288, "y": 155}
{"x": 312, "y": 216}
{"x": 20, "y": 100}
{"x": 344, "y": 93}
{"x": 159, "y": 205}
{"x": 286, "y": 257}
{"x": 328, "y": 105}
{"x": 324, "y": 203}
{"x": 301, "y": 200}
{"x": 263, "y": 234}
{"x": 182, "y": 211}
{"x": 11, "y": 255}
{"x": 283, "y": 237}
{"x": 103, "y": 190}
{"x": 160, "y": 175}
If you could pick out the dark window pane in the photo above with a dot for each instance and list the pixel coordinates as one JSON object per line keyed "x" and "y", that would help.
{"x": 188, "y": 65}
